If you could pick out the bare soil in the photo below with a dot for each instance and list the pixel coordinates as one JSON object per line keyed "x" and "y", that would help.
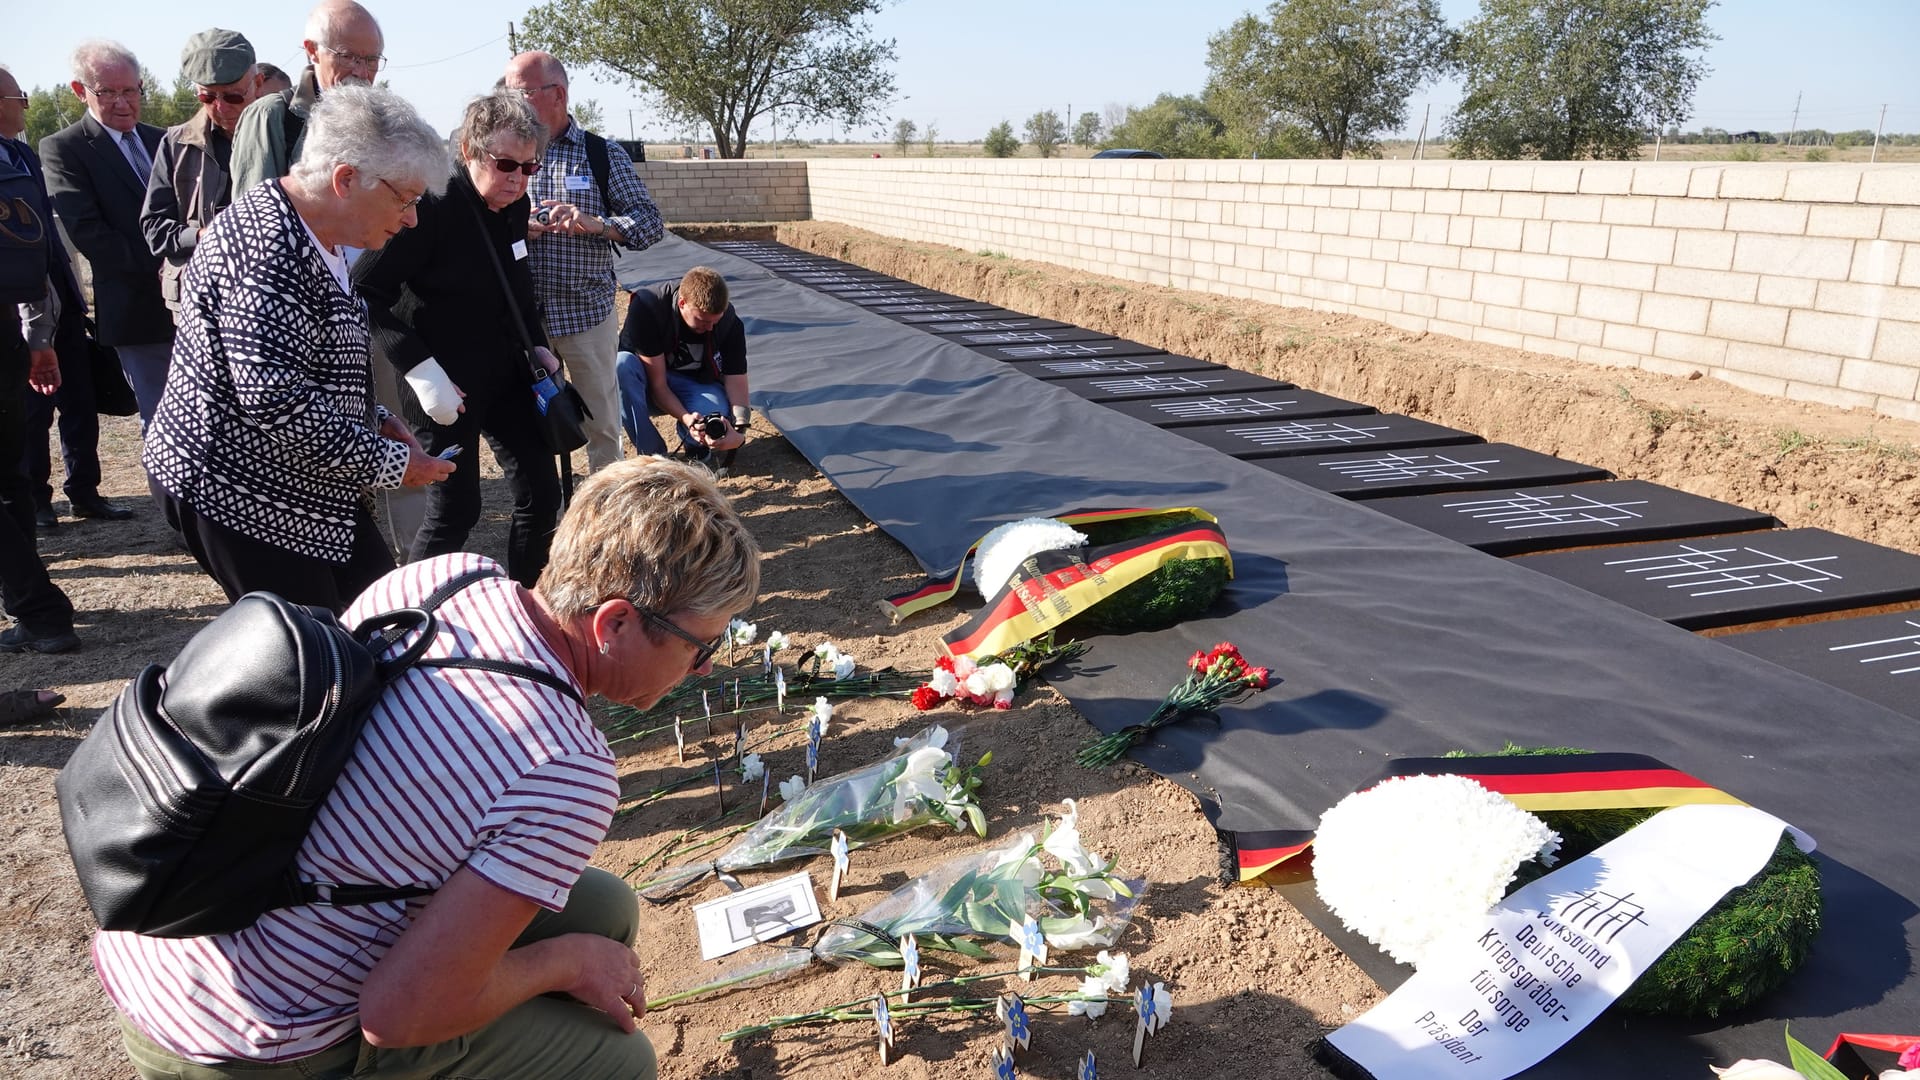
{"x": 1253, "y": 983}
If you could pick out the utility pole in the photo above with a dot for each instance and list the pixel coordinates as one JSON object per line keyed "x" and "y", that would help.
{"x": 513, "y": 43}
{"x": 1795, "y": 128}
{"x": 1420, "y": 143}
{"x": 1876, "y": 135}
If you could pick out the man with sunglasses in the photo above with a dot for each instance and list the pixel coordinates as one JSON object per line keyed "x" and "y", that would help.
{"x": 343, "y": 44}
{"x": 189, "y": 183}
{"x": 584, "y": 204}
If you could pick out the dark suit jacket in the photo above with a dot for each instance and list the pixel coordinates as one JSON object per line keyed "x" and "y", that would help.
{"x": 96, "y": 198}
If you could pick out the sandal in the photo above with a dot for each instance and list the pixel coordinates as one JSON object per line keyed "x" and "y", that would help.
{"x": 26, "y": 706}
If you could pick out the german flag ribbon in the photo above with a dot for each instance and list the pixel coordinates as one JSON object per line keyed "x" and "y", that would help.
{"x": 1053, "y": 586}
{"x": 1529, "y": 781}
{"x": 939, "y": 589}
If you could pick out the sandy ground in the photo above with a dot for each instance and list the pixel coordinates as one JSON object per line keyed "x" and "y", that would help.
{"x": 1253, "y": 983}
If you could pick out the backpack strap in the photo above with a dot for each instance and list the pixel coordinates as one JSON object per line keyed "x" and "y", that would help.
{"x": 601, "y": 164}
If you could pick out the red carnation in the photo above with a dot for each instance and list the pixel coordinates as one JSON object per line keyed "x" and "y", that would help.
{"x": 1199, "y": 660}
{"x": 926, "y": 698}
{"x": 944, "y": 663}
{"x": 1257, "y": 677}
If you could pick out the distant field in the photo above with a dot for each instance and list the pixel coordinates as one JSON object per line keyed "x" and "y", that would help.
{"x": 1391, "y": 150}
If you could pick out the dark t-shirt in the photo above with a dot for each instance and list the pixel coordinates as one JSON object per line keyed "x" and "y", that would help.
{"x": 654, "y": 328}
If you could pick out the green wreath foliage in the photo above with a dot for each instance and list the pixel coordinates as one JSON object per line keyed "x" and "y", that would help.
{"x": 1742, "y": 949}
{"x": 1172, "y": 594}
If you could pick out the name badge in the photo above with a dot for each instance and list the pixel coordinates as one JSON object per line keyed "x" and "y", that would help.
{"x": 519, "y": 250}
{"x": 577, "y": 182}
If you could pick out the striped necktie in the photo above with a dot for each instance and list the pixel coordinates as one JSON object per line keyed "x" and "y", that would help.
{"x": 137, "y": 155}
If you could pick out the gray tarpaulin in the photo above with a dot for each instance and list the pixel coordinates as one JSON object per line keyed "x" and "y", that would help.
{"x": 1392, "y": 642}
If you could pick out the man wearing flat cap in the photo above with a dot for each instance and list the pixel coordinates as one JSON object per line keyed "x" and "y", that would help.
{"x": 190, "y": 172}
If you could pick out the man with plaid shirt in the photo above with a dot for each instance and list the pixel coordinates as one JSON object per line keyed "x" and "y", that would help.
{"x": 571, "y": 240}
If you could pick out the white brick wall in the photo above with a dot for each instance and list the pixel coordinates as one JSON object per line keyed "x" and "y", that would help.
{"x": 1801, "y": 280}
{"x": 701, "y": 191}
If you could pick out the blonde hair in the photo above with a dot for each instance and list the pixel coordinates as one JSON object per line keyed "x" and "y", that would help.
{"x": 704, "y": 289}
{"x": 656, "y": 532}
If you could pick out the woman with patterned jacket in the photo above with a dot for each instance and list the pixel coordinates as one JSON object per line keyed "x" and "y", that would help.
{"x": 267, "y": 438}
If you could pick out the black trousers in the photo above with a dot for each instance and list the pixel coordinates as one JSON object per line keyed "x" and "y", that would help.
{"x": 28, "y": 593}
{"x": 242, "y": 564}
{"x": 79, "y": 424}
{"x": 502, "y": 409}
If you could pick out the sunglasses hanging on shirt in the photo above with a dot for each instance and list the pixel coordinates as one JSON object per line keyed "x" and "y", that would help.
{"x": 507, "y": 164}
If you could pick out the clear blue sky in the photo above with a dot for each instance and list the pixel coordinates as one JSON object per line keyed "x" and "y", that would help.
{"x": 967, "y": 66}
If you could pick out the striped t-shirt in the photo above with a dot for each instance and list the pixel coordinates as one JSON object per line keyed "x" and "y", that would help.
{"x": 455, "y": 768}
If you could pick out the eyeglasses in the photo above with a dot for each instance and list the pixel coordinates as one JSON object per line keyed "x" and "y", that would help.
{"x": 529, "y": 91}
{"x": 353, "y": 59}
{"x": 14, "y": 97}
{"x": 115, "y": 95}
{"x": 231, "y": 97}
{"x": 406, "y": 204}
{"x": 702, "y": 650}
{"x": 507, "y": 164}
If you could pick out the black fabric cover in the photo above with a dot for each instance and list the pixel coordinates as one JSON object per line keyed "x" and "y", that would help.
{"x": 1509, "y": 521}
{"x": 1156, "y": 364}
{"x": 1293, "y": 404}
{"x": 1876, "y": 656}
{"x": 1391, "y": 642}
{"x": 1332, "y": 434}
{"x": 1213, "y": 380}
{"x": 1424, "y": 471}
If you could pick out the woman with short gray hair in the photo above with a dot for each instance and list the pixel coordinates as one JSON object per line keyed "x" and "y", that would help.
{"x": 267, "y": 439}
{"x": 441, "y": 316}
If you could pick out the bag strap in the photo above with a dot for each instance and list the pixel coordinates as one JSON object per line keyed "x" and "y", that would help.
{"x": 538, "y": 369}
{"x": 601, "y": 165}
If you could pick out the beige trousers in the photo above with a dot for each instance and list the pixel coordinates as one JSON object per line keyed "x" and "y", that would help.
{"x": 589, "y": 360}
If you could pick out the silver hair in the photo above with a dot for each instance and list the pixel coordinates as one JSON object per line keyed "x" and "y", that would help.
{"x": 329, "y": 18}
{"x": 92, "y": 56}
{"x": 377, "y": 133}
{"x": 502, "y": 112}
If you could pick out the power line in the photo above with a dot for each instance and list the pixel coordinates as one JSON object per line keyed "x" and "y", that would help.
{"x": 444, "y": 59}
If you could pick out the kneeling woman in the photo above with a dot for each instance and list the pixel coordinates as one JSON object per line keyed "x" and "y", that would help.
{"x": 492, "y": 790}
{"x": 441, "y": 315}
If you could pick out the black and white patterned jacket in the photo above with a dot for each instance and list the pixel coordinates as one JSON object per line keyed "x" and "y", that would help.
{"x": 268, "y": 424}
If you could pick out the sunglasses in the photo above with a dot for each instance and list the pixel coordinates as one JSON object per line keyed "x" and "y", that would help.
{"x": 231, "y": 97}
{"x": 702, "y": 650}
{"x": 507, "y": 164}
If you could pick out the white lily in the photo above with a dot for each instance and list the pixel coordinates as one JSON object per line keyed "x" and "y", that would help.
{"x": 1079, "y": 933}
{"x": 936, "y": 738}
{"x": 1020, "y": 850}
{"x": 1093, "y": 987}
{"x": 751, "y": 768}
{"x": 1063, "y": 843}
{"x": 921, "y": 779}
{"x": 792, "y": 787}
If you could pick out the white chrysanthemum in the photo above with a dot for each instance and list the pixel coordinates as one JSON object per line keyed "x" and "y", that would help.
{"x": 1005, "y": 548}
{"x": 842, "y": 666}
{"x": 1094, "y": 987}
{"x": 1420, "y": 859}
{"x": 751, "y": 768}
{"x": 777, "y": 641}
{"x": 792, "y": 787}
{"x": 742, "y": 632}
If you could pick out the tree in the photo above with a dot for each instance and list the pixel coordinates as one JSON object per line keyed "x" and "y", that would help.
{"x": 928, "y": 136}
{"x": 1086, "y": 130}
{"x": 1046, "y": 132}
{"x": 589, "y": 115}
{"x": 1565, "y": 79}
{"x": 1340, "y": 71}
{"x": 726, "y": 63}
{"x": 1174, "y": 126}
{"x": 1000, "y": 141}
{"x": 903, "y": 130}
{"x": 49, "y": 110}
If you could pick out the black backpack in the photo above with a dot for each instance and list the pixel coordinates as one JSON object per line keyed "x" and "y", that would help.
{"x": 185, "y": 806}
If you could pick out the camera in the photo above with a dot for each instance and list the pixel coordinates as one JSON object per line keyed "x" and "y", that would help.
{"x": 714, "y": 425}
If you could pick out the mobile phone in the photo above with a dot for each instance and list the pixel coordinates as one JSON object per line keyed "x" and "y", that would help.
{"x": 450, "y": 452}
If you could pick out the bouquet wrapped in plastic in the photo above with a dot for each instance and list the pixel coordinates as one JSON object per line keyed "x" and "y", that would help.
{"x": 919, "y": 784}
{"x": 1078, "y": 900}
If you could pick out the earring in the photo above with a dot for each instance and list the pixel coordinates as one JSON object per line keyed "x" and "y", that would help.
{"x": 605, "y": 648}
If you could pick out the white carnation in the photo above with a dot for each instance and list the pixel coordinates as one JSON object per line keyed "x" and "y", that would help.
{"x": 1094, "y": 987}
{"x": 792, "y": 788}
{"x": 1006, "y": 547}
{"x": 978, "y": 685}
{"x": 751, "y": 768}
{"x": 777, "y": 641}
{"x": 944, "y": 683}
{"x": 999, "y": 677}
{"x": 741, "y": 632}
{"x": 843, "y": 666}
{"x": 1119, "y": 971}
{"x": 1418, "y": 860}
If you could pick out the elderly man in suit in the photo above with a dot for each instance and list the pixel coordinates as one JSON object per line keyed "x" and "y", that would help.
{"x": 97, "y": 170}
